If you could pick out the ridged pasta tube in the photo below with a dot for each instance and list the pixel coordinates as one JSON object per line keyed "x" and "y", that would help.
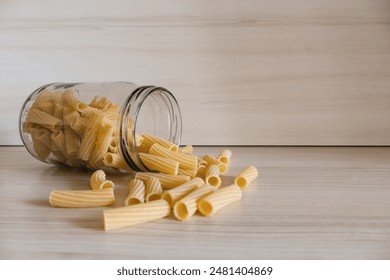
{"x": 98, "y": 181}
{"x": 187, "y": 206}
{"x": 167, "y": 181}
{"x": 41, "y": 142}
{"x": 43, "y": 102}
{"x": 149, "y": 140}
{"x": 71, "y": 99}
{"x": 213, "y": 202}
{"x": 201, "y": 171}
{"x": 246, "y": 176}
{"x": 103, "y": 140}
{"x": 224, "y": 156}
{"x": 89, "y": 139}
{"x": 212, "y": 176}
{"x": 185, "y": 161}
{"x": 175, "y": 194}
{"x": 80, "y": 199}
{"x": 136, "y": 192}
{"x": 58, "y": 139}
{"x": 135, "y": 214}
{"x": 156, "y": 163}
{"x": 114, "y": 160}
{"x": 153, "y": 189}
{"x": 44, "y": 119}
{"x": 72, "y": 141}
{"x": 46, "y": 106}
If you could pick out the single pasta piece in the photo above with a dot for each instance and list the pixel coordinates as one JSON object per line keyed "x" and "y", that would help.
{"x": 156, "y": 163}
{"x": 71, "y": 99}
{"x": 84, "y": 198}
{"x": 136, "y": 192}
{"x": 44, "y": 119}
{"x": 149, "y": 140}
{"x": 153, "y": 189}
{"x": 43, "y": 102}
{"x": 187, "y": 206}
{"x": 212, "y": 176}
{"x": 186, "y": 150}
{"x": 175, "y": 194}
{"x": 135, "y": 214}
{"x": 167, "y": 181}
{"x": 213, "y": 202}
{"x": 185, "y": 161}
{"x": 201, "y": 171}
{"x": 46, "y": 106}
{"x": 98, "y": 181}
{"x": 212, "y": 160}
{"x": 72, "y": 141}
{"x": 114, "y": 160}
{"x": 41, "y": 142}
{"x": 89, "y": 139}
{"x": 58, "y": 139}
{"x": 246, "y": 176}
{"x": 224, "y": 156}
{"x": 58, "y": 111}
{"x": 103, "y": 140}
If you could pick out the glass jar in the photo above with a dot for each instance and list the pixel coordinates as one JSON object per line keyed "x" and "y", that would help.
{"x": 97, "y": 125}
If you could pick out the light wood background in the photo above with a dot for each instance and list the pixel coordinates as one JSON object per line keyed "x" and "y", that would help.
{"x": 303, "y": 72}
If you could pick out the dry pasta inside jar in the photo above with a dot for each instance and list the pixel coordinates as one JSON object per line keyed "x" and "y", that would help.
{"x": 99, "y": 125}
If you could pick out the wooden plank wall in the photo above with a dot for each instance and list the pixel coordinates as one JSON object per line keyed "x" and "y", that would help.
{"x": 303, "y": 72}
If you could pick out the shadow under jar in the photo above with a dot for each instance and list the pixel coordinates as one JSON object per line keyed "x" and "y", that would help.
{"x": 97, "y": 125}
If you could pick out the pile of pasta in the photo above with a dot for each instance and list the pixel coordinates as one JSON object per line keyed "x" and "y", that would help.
{"x": 67, "y": 130}
{"x": 184, "y": 185}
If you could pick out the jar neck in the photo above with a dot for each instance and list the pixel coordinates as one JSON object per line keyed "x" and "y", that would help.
{"x": 148, "y": 109}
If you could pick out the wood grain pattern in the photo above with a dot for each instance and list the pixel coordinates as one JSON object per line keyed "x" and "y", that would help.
{"x": 267, "y": 72}
{"x": 308, "y": 203}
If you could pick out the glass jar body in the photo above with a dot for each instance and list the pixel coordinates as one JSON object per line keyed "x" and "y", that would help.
{"x": 97, "y": 125}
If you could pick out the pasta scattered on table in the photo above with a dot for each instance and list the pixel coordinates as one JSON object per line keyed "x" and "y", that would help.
{"x": 246, "y": 176}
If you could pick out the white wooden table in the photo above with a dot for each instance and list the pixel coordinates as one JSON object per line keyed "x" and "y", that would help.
{"x": 308, "y": 203}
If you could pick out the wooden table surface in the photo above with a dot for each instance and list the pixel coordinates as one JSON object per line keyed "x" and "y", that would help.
{"x": 308, "y": 203}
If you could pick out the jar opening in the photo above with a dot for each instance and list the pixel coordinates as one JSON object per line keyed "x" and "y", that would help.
{"x": 152, "y": 110}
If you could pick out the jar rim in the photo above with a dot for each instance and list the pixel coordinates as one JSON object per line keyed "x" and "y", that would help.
{"x": 130, "y": 113}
